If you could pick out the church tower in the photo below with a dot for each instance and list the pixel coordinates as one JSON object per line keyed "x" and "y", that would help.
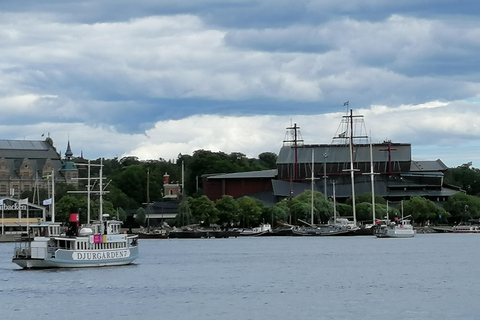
{"x": 69, "y": 169}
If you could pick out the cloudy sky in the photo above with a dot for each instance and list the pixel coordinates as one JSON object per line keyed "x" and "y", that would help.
{"x": 155, "y": 78}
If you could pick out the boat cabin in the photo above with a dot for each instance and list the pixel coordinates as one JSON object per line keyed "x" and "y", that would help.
{"x": 45, "y": 230}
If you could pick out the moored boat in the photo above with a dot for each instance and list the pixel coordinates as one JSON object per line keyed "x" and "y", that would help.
{"x": 262, "y": 229}
{"x": 322, "y": 231}
{"x": 466, "y": 228}
{"x": 399, "y": 229}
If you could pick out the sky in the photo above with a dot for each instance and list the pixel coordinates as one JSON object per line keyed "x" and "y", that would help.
{"x": 155, "y": 79}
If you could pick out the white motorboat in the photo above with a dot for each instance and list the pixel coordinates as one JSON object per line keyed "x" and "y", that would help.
{"x": 399, "y": 229}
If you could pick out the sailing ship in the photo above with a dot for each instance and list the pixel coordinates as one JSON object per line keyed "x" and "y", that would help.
{"x": 94, "y": 244}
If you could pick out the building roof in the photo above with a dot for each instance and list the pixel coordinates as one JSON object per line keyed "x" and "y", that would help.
{"x": 400, "y": 152}
{"x": 19, "y": 149}
{"x": 428, "y": 166}
{"x": 267, "y": 174}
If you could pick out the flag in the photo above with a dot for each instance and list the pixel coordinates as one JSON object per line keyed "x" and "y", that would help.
{"x": 47, "y": 202}
{"x": 23, "y": 201}
{"x": 345, "y": 103}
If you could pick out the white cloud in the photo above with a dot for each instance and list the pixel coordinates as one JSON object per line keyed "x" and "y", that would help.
{"x": 435, "y": 126}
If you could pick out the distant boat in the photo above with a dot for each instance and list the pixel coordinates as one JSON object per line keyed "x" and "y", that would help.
{"x": 318, "y": 231}
{"x": 322, "y": 231}
{"x": 466, "y": 228}
{"x": 153, "y": 233}
{"x": 391, "y": 229}
{"x": 257, "y": 231}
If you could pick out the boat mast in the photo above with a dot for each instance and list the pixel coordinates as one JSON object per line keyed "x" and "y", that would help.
{"x": 389, "y": 150}
{"x": 88, "y": 193}
{"x": 294, "y": 132}
{"x": 352, "y": 170}
{"x": 313, "y": 157}
{"x": 372, "y": 180}
{"x": 334, "y": 203}
{"x": 100, "y": 184}
{"x": 349, "y": 120}
{"x": 148, "y": 197}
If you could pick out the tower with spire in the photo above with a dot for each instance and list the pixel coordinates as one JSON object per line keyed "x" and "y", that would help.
{"x": 69, "y": 170}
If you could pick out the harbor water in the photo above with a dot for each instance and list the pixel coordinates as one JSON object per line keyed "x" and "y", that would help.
{"x": 430, "y": 276}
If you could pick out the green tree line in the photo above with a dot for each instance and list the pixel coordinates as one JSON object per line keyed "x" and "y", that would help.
{"x": 129, "y": 178}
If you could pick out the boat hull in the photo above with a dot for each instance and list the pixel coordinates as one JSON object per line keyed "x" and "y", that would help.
{"x": 396, "y": 234}
{"x": 322, "y": 233}
{"x": 80, "y": 259}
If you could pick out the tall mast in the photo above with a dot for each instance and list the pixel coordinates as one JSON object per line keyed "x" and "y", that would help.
{"x": 313, "y": 158}
{"x": 372, "y": 181}
{"x": 349, "y": 128}
{"x": 88, "y": 192}
{"x": 389, "y": 150}
{"x": 352, "y": 174}
{"x": 100, "y": 212}
{"x": 293, "y": 140}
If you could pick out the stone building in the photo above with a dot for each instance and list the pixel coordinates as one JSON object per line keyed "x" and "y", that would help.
{"x": 30, "y": 165}
{"x": 26, "y": 164}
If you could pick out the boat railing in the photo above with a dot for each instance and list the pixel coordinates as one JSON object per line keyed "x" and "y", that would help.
{"x": 21, "y": 249}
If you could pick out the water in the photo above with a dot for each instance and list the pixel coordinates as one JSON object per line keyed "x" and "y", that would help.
{"x": 430, "y": 276}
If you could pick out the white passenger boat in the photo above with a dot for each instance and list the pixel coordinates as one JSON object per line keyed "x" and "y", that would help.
{"x": 466, "y": 228}
{"x": 399, "y": 229}
{"x": 49, "y": 245}
{"x": 95, "y": 244}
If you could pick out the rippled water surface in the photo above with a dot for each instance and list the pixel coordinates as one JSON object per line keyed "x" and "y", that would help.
{"x": 432, "y": 276}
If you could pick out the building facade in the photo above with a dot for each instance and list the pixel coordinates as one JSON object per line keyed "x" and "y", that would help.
{"x": 26, "y": 165}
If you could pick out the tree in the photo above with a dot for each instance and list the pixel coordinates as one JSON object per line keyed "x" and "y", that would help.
{"x": 121, "y": 215}
{"x": 301, "y": 207}
{"x": 462, "y": 207}
{"x": 281, "y": 211}
{"x": 65, "y": 206}
{"x": 141, "y": 216}
{"x": 227, "y": 209}
{"x": 367, "y": 197}
{"x": 268, "y": 160}
{"x": 364, "y": 211}
{"x": 203, "y": 210}
{"x": 465, "y": 177}
{"x": 422, "y": 209}
{"x": 184, "y": 216}
{"x": 133, "y": 182}
{"x": 250, "y": 211}
{"x": 344, "y": 210}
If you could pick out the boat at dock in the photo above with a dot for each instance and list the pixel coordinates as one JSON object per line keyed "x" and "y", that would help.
{"x": 466, "y": 228}
{"x": 262, "y": 229}
{"x": 392, "y": 229}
